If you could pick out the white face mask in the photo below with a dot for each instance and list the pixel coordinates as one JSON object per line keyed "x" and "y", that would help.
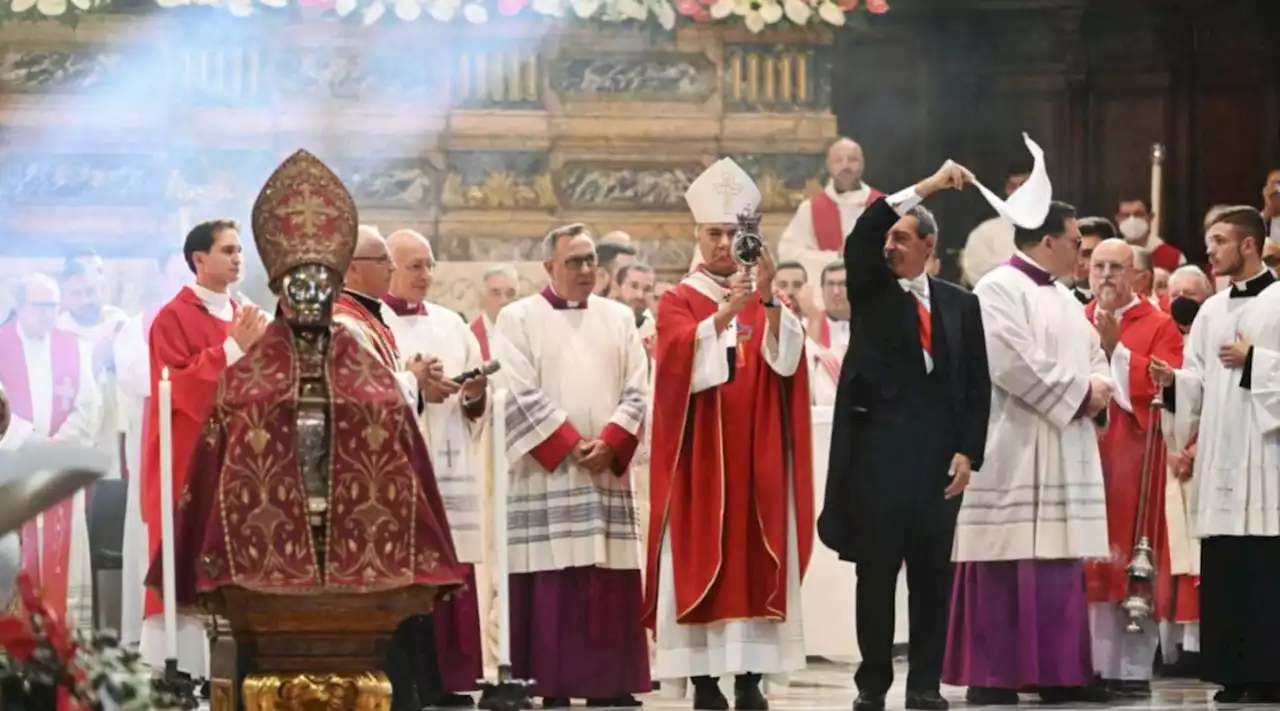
{"x": 1133, "y": 227}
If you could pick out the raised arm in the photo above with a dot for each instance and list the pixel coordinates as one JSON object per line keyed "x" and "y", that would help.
{"x": 1019, "y": 366}
{"x": 864, "y": 262}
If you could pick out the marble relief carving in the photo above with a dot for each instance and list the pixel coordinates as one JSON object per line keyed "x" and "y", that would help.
{"x": 345, "y": 74}
{"x": 457, "y": 285}
{"x": 634, "y": 77}
{"x": 479, "y": 248}
{"x": 217, "y": 176}
{"x": 40, "y": 69}
{"x": 633, "y": 187}
{"x": 784, "y": 179}
{"x": 487, "y": 180}
{"x": 107, "y": 180}
{"x": 378, "y": 183}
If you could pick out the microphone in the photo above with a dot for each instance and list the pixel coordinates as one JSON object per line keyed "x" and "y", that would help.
{"x": 489, "y": 367}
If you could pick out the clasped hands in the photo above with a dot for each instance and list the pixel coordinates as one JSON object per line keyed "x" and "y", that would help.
{"x": 435, "y": 387}
{"x": 1099, "y": 395}
{"x": 593, "y": 455}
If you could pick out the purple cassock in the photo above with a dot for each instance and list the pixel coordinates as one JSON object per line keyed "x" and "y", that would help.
{"x": 459, "y": 652}
{"x": 576, "y": 633}
{"x": 1019, "y": 624}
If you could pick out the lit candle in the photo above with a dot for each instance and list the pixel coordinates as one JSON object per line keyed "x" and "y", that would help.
{"x": 1157, "y": 187}
{"x": 166, "y": 515}
{"x": 501, "y": 481}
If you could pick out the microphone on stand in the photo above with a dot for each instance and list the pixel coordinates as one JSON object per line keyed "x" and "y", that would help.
{"x": 489, "y": 367}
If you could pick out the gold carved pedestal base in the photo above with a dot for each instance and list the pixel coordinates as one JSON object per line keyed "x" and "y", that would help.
{"x": 363, "y": 691}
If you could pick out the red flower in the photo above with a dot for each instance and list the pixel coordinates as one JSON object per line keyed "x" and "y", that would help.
{"x": 317, "y": 4}
{"x": 847, "y": 5}
{"x": 17, "y": 637}
{"x": 511, "y": 7}
{"x": 877, "y": 7}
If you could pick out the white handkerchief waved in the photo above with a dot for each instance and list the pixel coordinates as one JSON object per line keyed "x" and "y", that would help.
{"x": 1029, "y": 204}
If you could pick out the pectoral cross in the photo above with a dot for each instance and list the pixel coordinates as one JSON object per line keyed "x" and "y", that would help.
{"x": 66, "y": 394}
{"x": 728, "y": 188}
{"x": 449, "y": 451}
{"x": 308, "y": 210}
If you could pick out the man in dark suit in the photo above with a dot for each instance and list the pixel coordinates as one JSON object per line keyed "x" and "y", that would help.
{"x": 910, "y": 424}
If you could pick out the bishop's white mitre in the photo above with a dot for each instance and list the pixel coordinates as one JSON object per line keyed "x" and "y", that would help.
{"x": 722, "y": 192}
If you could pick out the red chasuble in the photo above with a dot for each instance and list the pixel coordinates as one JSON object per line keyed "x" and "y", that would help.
{"x": 1146, "y": 332}
{"x": 718, "y": 472}
{"x": 381, "y": 337}
{"x": 242, "y": 518}
{"x": 46, "y": 561}
{"x": 477, "y": 327}
{"x": 188, "y": 340}
{"x": 827, "y": 230}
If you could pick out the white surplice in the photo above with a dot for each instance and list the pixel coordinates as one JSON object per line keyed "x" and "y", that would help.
{"x": 1039, "y": 494}
{"x": 450, "y": 434}
{"x": 82, "y": 426}
{"x": 585, "y": 367}
{"x": 758, "y": 646}
{"x": 799, "y": 243}
{"x": 113, "y": 319}
{"x": 1235, "y": 485}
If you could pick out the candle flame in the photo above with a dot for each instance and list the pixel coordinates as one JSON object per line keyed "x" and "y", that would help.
{"x": 164, "y": 373}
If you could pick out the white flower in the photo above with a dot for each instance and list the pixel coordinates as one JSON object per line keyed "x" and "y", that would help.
{"x": 554, "y": 8}
{"x": 443, "y": 10}
{"x": 723, "y": 9}
{"x": 665, "y": 13}
{"x": 797, "y": 11}
{"x": 407, "y": 10}
{"x": 585, "y": 8}
{"x": 475, "y": 13}
{"x": 240, "y": 8}
{"x": 831, "y": 13}
{"x": 633, "y": 9}
{"x": 373, "y": 13}
{"x": 273, "y": 3}
{"x": 20, "y": 6}
{"x": 344, "y": 7}
{"x": 51, "y": 8}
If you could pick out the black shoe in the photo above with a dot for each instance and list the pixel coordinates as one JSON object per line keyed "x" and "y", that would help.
{"x": 450, "y": 701}
{"x": 868, "y": 702}
{"x": 1130, "y": 689}
{"x": 555, "y": 702}
{"x": 1239, "y": 695}
{"x": 615, "y": 702}
{"x": 987, "y": 696}
{"x": 747, "y": 695}
{"x": 1074, "y": 694}
{"x": 926, "y": 701}
{"x": 707, "y": 695}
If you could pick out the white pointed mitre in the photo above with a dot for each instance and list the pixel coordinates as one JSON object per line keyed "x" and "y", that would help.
{"x": 722, "y": 192}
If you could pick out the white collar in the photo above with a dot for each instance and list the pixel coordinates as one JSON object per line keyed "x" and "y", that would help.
{"x": 917, "y": 283}
{"x": 212, "y": 300}
{"x": 1027, "y": 258}
{"x": 28, "y": 338}
{"x": 1133, "y": 301}
{"x": 851, "y": 197}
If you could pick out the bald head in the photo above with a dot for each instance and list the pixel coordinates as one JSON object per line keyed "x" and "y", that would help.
{"x": 616, "y": 237}
{"x": 1111, "y": 273}
{"x": 844, "y": 165}
{"x": 36, "y": 300}
{"x": 415, "y": 265}
{"x": 370, "y": 269}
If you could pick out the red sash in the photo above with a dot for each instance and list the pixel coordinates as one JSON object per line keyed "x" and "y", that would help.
{"x": 45, "y": 559}
{"x": 477, "y": 327}
{"x": 824, "y": 356}
{"x": 827, "y": 229}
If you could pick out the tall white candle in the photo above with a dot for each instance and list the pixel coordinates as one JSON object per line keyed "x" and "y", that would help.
{"x": 166, "y": 515}
{"x": 501, "y": 482}
{"x": 1157, "y": 186}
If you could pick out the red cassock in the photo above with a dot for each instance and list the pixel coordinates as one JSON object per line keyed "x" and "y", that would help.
{"x": 477, "y": 327}
{"x": 47, "y": 560}
{"x": 188, "y": 340}
{"x": 719, "y": 469}
{"x": 242, "y": 519}
{"x": 1146, "y": 332}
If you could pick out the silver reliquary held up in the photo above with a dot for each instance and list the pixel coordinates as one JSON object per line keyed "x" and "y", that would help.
{"x": 748, "y": 246}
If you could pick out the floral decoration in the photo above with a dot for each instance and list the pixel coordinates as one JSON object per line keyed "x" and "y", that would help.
{"x": 756, "y": 15}
{"x": 45, "y": 664}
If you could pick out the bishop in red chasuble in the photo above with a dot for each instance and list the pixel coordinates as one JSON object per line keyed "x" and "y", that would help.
{"x": 731, "y": 497}
{"x": 243, "y": 518}
{"x": 1133, "y": 331}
